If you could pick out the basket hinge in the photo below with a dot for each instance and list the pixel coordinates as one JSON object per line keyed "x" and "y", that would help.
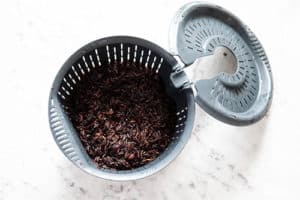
{"x": 179, "y": 78}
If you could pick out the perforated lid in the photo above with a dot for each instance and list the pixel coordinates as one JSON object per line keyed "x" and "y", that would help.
{"x": 241, "y": 98}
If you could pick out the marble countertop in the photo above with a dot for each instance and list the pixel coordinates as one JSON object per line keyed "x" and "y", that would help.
{"x": 260, "y": 161}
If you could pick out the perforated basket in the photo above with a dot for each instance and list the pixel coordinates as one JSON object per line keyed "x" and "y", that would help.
{"x": 241, "y": 98}
{"x": 106, "y": 51}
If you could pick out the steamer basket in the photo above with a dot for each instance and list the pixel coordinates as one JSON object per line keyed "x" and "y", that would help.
{"x": 107, "y": 51}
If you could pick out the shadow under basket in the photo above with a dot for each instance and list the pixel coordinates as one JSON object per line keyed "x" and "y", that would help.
{"x": 127, "y": 50}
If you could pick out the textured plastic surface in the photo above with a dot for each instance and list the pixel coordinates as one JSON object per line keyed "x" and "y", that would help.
{"x": 241, "y": 98}
{"x": 105, "y": 51}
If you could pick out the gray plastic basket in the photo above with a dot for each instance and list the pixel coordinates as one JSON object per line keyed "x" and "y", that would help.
{"x": 240, "y": 99}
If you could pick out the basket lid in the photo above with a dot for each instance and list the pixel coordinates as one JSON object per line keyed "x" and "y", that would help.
{"x": 240, "y": 98}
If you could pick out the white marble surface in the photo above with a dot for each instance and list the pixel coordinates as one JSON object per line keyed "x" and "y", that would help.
{"x": 219, "y": 162}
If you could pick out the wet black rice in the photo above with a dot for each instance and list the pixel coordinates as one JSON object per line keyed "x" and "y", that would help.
{"x": 123, "y": 116}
